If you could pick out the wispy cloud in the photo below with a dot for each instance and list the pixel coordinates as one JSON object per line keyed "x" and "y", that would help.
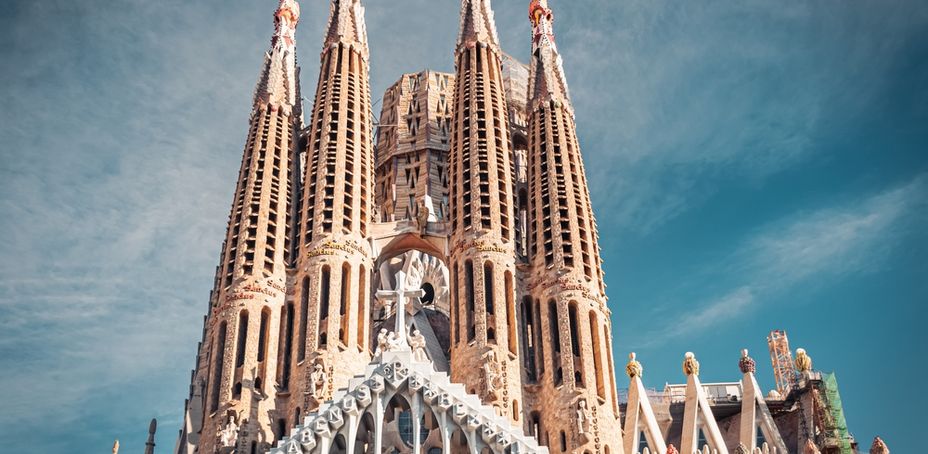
{"x": 689, "y": 111}
{"x": 814, "y": 248}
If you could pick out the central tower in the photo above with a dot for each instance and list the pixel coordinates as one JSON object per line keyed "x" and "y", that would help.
{"x": 325, "y": 331}
{"x": 485, "y": 353}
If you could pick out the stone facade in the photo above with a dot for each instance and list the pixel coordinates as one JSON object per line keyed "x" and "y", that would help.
{"x": 475, "y": 203}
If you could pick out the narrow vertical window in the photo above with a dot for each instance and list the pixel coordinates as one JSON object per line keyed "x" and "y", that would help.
{"x": 597, "y": 360}
{"x": 362, "y": 308}
{"x": 304, "y": 314}
{"x": 555, "y": 333}
{"x": 488, "y": 295}
{"x": 218, "y": 355}
{"x": 511, "y": 313}
{"x": 242, "y": 339}
{"x": 576, "y": 359}
{"x": 469, "y": 288}
{"x": 285, "y": 361}
{"x": 540, "y": 346}
{"x": 323, "y": 339}
{"x": 262, "y": 334}
{"x": 528, "y": 340}
{"x": 344, "y": 302}
{"x": 455, "y": 306}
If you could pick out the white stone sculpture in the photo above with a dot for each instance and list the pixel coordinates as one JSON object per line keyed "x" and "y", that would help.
{"x": 317, "y": 380}
{"x": 582, "y": 416}
{"x": 417, "y": 344}
{"x": 229, "y": 434}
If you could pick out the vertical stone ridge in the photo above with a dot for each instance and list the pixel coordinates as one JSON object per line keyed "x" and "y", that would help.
{"x": 233, "y": 382}
{"x": 574, "y": 362}
{"x": 482, "y": 255}
{"x": 326, "y": 326}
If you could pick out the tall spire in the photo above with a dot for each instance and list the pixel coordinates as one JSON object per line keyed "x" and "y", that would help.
{"x": 547, "y": 80}
{"x": 346, "y": 25}
{"x": 278, "y": 83}
{"x": 477, "y": 25}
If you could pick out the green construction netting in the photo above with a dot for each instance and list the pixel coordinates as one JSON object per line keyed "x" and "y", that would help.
{"x": 833, "y": 402}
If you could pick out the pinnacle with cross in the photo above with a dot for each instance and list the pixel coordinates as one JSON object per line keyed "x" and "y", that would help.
{"x": 399, "y": 297}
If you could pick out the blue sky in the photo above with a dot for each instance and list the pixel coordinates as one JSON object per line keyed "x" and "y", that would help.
{"x": 754, "y": 165}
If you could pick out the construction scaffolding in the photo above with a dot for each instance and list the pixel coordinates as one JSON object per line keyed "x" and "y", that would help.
{"x": 835, "y": 425}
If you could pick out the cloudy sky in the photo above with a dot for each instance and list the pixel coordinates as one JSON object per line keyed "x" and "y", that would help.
{"x": 754, "y": 165}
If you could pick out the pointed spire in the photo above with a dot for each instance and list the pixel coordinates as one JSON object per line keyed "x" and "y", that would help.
{"x": 346, "y": 25}
{"x": 547, "y": 81}
{"x": 278, "y": 83}
{"x": 150, "y": 444}
{"x": 477, "y": 25}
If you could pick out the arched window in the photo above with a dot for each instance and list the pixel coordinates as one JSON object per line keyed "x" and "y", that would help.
{"x": 262, "y": 334}
{"x": 469, "y": 289}
{"x": 575, "y": 345}
{"x": 304, "y": 313}
{"x": 362, "y": 308}
{"x": 287, "y": 345}
{"x": 539, "y": 345}
{"x": 511, "y": 313}
{"x": 218, "y": 353}
{"x": 344, "y": 302}
{"x": 488, "y": 296}
{"x": 324, "y": 283}
{"x": 563, "y": 441}
{"x": 242, "y": 339}
{"x": 555, "y": 333}
{"x": 455, "y": 306}
{"x": 528, "y": 340}
{"x": 597, "y": 356}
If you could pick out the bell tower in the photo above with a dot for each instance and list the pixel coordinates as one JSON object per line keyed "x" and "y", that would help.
{"x": 233, "y": 384}
{"x": 574, "y": 355}
{"x": 485, "y": 353}
{"x": 326, "y": 327}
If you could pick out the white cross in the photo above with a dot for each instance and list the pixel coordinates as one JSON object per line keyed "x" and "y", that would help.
{"x": 399, "y": 297}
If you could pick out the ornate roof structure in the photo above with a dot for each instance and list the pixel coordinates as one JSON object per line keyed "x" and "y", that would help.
{"x": 398, "y": 374}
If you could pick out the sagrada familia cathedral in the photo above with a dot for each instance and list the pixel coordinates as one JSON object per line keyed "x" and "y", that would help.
{"x": 430, "y": 281}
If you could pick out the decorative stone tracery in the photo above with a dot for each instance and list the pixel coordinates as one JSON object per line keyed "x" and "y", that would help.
{"x": 336, "y": 425}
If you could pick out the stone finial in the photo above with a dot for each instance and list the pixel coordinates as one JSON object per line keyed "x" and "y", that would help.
{"x": 690, "y": 365}
{"x": 671, "y": 449}
{"x": 741, "y": 449}
{"x": 803, "y": 361}
{"x": 116, "y": 447}
{"x": 747, "y": 364}
{"x": 810, "y": 448}
{"x": 633, "y": 368}
{"x": 878, "y": 447}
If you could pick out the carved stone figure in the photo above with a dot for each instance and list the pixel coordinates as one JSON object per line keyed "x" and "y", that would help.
{"x": 671, "y": 449}
{"x": 491, "y": 372}
{"x": 317, "y": 380}
{"x": 393, "y": 342}
{"x": 417, "y": 343}
{"x": 229, "y": 433}
{"x": 582, "y": 416}
{"x": 382, "y": 344}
